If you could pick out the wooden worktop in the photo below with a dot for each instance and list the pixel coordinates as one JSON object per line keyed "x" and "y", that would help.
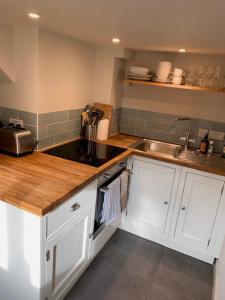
{"x": 40, "y": 182}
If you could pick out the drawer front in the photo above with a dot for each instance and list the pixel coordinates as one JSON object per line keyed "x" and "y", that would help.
{"x": 71, "y": 208}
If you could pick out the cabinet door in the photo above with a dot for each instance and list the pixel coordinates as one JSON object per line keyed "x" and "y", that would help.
{"x": 69, "y": 252}
{"x": 150, "y": 194}
{"x": 198, "y": 209}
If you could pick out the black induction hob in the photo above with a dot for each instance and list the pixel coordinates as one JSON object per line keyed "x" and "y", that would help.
{"x": 86, "y": 152}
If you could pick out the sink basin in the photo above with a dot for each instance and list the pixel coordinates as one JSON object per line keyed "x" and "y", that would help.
{"x": 159, "y": 147}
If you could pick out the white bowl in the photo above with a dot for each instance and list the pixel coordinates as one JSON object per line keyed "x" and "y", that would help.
{"x": 138, "y": 70}
{"x": 177, "y": 80}
{"x": 164, "y": 67}
{"x": 165, "y": 64}
{"x": 160, "y": 77}
{"x": 163, "y": 75}
{"x": 177, "y": 72}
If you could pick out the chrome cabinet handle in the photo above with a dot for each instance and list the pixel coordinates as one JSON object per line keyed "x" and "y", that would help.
{"x": 165, "y": 202}
{"x": 183, "y": 208}
{"x": 74, "y": 207}
{"x": 106, "y": 175}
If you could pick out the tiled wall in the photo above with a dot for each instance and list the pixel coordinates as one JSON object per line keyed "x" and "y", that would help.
{"x": 116, "y": 120}
{"x": 162, "y": 127}
{"x": 54, "y": 127}
{"x": 29, "y": 119}
{"x": 49, "y": 128}
{"x": 58, "y": 127}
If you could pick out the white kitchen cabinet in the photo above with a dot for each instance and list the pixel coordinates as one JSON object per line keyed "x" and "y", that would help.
{"x": 68, "y": 253}
{"x": 42, "y": 257}
{"x": 199, "y": 200}
{"x": 181, "y": 208}
{"x": 152, "y": 191}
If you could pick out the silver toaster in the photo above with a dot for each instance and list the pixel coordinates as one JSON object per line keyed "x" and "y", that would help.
{"x": 16, "y": 141}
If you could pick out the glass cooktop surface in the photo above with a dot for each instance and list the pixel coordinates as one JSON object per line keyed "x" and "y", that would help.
{"x": 86, "y": 152}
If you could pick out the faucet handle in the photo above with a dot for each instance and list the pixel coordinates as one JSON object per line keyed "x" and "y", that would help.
{"x": 183, "y": 139}
{"x": 192, "y": 140}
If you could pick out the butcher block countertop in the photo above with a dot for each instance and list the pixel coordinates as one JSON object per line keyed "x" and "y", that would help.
{"x": 39, "y": 182}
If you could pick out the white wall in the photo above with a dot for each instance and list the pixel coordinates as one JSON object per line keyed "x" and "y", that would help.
{"x": 66, "y": 72}
{"x": 219, "y": 288}
{"x": 23, "y": 93}
{"x": 116, "y": 96}
{"x": 52, "y": 72}
{"x": 6, "y": 49}
{"x": 109, "y": 70}
{"x": 210, "y": 106}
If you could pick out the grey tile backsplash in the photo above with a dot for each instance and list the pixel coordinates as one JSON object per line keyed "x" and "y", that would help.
{"x": 162, "y": 127}
{"x": 54, "y": 127}
{"x": 29, "y": 119}
{"x": 57, "y": 127}
{"x": 49, "y": 128}
{"x": 116, "y": 120}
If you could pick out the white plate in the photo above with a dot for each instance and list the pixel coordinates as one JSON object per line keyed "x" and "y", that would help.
{"x": 139, "y": 78}
{"x": 138, "y": 70}
{"x": 161, "y": 80}
{"x": 139, "y": 75}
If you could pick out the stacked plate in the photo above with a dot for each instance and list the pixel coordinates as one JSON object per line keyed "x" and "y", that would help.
{"x": 139, "y": 73}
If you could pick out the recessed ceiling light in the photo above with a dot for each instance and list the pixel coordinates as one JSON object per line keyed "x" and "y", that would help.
{"x": 33, "y": 16}
{"x": 182, "y": 50}
{"x": 116, "y": 40}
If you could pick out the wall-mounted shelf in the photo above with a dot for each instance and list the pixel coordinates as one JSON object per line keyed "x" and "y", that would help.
{"x": 174, "y": 86}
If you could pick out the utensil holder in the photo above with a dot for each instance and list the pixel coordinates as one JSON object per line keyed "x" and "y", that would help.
{"x": 91, "y": 132}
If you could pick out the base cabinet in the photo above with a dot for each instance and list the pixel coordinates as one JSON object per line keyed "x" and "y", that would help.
{"x": 178, "y": 207}
{"x": 151, "y": 196}
{"x": 68, "y": 254}
{"x": 42, "y": 257}
{"x": 200, "y": 198}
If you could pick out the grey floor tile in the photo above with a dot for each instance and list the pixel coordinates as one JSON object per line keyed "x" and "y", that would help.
{"x": 158, "y": 292}
{"x": 183, "y": 278}
{"x": 190, "y": 266}
{"x": 133, "y": 268}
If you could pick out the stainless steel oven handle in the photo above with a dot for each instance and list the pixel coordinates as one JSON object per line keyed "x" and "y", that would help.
{"x": 107, "y": 175}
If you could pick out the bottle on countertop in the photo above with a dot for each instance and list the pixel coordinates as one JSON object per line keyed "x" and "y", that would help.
{"x": 210, "y": 148}
{"x": 204, "y": 144}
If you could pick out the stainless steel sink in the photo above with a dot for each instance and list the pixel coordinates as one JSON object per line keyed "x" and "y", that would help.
{"x": 147, "y": 145}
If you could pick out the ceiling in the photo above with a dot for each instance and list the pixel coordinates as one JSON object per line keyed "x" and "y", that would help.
{"x": 198, "y": 25}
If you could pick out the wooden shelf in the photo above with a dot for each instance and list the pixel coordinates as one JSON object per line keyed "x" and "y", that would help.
{"x": 174, "y": 86}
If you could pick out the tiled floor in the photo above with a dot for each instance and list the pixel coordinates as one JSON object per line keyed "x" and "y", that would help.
{"x": 132, "y": 268}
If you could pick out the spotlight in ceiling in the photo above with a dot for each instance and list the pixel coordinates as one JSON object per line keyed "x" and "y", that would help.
{"x": 182, "y": 50}
{"x": 33, "y": 15}
{"x": 116, "y": 40}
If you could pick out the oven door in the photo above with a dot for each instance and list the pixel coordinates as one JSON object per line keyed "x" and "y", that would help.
{"x": 102, "y": 232}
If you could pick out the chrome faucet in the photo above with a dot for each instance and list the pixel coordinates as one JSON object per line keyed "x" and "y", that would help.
{"x": 185, "y": 138}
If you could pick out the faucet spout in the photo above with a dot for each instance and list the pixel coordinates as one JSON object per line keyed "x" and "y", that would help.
{"x": 187, "y": 134}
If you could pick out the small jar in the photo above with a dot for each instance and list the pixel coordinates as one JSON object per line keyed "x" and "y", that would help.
{"x": 210, "y": 148}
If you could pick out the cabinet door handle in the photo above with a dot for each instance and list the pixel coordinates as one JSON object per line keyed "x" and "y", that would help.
{"x": 165, "y": 202}
{"x": 183, "y": 207}
{"x": 74, "y": 207}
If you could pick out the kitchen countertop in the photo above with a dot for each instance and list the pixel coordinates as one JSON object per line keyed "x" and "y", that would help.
{"x": 40, "y": 182}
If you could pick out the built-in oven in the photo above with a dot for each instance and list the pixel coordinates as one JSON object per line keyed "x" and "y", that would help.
{"x": 102, "y": 231}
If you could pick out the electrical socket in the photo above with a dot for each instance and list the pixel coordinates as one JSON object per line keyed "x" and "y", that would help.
{"x": 16, "y": 122}
{"x": 202, "y": 132}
